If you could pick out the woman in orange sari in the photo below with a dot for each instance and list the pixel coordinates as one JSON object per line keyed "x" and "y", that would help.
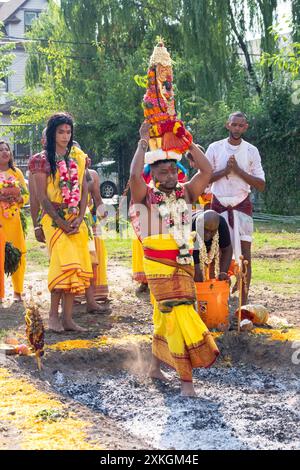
{"x": 60, "y": 184}
{"x": 13, "y": 195}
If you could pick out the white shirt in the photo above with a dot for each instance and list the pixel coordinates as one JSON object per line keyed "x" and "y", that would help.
{"x": 247, "y": 157}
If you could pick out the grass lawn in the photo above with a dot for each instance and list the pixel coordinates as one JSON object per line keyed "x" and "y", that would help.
{"x": 37, "y": 255}
{"x": 276, "y": 271}
{"x": 276, "y": 238}
{"x": 119, "y": 249}
{"x": 283, "y": 275}
{"x": 276, "y": 227}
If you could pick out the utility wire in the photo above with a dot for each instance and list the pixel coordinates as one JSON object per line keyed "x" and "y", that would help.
{"x": 93, "y": 57}
{"x": 67, "y": 56}
{"x": 59, "y": 41}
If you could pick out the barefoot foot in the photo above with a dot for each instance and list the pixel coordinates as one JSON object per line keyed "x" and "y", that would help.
{"x": 72, "y": 326}
{"x": 17, "y": 297}
{"x": 97, "y": 308}
{"x": 158, "y": 374}
{"x": 187, "y": 389}
{"x": 55, "y": 324}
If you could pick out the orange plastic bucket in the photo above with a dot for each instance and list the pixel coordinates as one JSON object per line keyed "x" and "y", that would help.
{"x": 212, "y": 303}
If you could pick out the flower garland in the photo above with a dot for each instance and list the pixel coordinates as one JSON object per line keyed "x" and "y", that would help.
{"x": 8, "y": 186}
{"x": 68, "y": 181}
{"x": 159, "y": 97}
{"x": 207, "y": 258}
{"x": 174, "y": 211}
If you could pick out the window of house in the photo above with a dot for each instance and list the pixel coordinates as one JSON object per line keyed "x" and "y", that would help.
{"x": 29, "y": 18}
{"x": 3, "y": 85}
{"x": 22, "y": 150}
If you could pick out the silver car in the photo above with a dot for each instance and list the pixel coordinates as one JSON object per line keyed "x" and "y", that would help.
{"x": 109, "y": 180}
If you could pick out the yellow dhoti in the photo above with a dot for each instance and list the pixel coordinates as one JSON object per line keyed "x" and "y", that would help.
{"x": 138, "y": 273}
{"x": 100, "y": 270}
{"x": 180, "y": 339}
{"x": 98, "y": 255}
{"x": 70, "y": 267}
{"x": 2, "y": 260}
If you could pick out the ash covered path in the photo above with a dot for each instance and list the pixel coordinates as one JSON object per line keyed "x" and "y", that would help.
{"x": 237, "y": 408}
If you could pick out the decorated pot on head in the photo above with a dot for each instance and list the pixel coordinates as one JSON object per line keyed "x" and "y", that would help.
{"x": 168, "y": 137}
{"x": 168, "y": 141}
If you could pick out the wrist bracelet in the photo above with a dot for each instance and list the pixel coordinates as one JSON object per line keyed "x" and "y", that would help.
{"x": 38, "y": 228}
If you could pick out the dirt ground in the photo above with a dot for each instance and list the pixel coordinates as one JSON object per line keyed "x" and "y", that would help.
{"x": 248, "y": 400}
{"x": 283, "y": 306}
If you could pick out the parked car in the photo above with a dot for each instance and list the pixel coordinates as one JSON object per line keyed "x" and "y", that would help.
{"x": 109, "y": 180}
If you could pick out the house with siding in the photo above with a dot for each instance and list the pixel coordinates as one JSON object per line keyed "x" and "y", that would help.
{"x": 17, "y": 17}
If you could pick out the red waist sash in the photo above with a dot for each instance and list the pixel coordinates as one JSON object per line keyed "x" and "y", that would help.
{"x": 245, "y": 206}
{"x": 166, "y": 254}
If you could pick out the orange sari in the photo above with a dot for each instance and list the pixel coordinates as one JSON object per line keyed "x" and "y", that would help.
{"x": 2, "y": 259}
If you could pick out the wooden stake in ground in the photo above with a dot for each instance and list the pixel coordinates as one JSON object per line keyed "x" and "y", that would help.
{"x": 241, "y": 273}
{"x": 240, "y": 284}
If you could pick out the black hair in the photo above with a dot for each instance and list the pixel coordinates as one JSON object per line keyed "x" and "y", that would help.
{"x": 11, "y": 160}
{"x": 57, "y": 120}
{"x": 238, "y": 114}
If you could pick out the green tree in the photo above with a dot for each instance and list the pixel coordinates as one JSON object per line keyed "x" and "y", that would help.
{"x": 287, "y": 58}
{"x": 275, "y": 130}
{"x": 209, "y": 51}
{"x": 296, "y": 20}
{"x": 6, "y": 56}
{"x": 88, "y": 61}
